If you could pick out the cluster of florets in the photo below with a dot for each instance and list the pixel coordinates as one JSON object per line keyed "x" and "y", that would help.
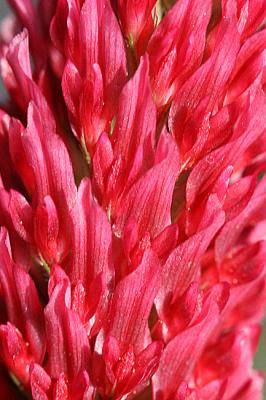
{"x": 132, "y": 199}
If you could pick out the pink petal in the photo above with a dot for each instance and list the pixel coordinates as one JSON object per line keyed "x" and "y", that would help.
{"x": 65, "y": 331}
{"x": 29, "y": 18}
{"x": 132, "y": 302}
{"x": 136, "y": 20}
{"x": 238, "y": 196}
{"x": 251, "y": 16}
{"x": 233, "y": 228}
{"x": 21, "y": 215}
{"x": 136, "y": 118}
{"x": 182, "y": 266}
{"x": 14, "y": 352}
{"x": 149, "y": 199}
{"x": 249, "y": 127}
{"x": 26, "y": 89}
{"x": 91, "y": 239}
{"x": 253, "y": 388}
{"x": 22, "y": 303}
{"x": 250, "y": 63}
{"x": 40, "y": 382}
{"x": 182, "y": 352}
{"x": 176, "y": 47}
{"x": 205, "y": 86}
{"x": 46, "y": 229}
{"x": 102, "y": 161}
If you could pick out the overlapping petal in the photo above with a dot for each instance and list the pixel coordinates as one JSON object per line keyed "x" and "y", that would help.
{"x": 132, "y": 191}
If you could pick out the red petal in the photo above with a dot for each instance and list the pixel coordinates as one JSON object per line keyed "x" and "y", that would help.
{"x": 113, "y": 53}
{"x": 250, "y": 126}
{"x": 17, "y": 153}
{"x": 149, "y": 200}
{"x": 136, "y": 20}
{"x": 61, "y": 181}
{"x": 166, "y": 241}
{"x": 253, "y": 388}
{"x": 145, "y": 365}
{"x": 230, "y": 358}
{"x": 92, "y": 239}
{"x": 65, "y": 331}
{"x": 22, "y": 303}
{"x": 202, "y": 90}
{"x": 176, "y": 47}
{"x": 251, "y": 16}
{"x": 26, "y": 89}
{"x": 132, "y": 302}
{"x": 238, "y": 196}
{"x": 182, "y": 352}
{"x": 71, "y": 87}
{"x": 14, "y": 352}
{"x": 40, "y": 382}
{"x": 29, "y": 18}
{"x": 31, "y": 313}
{"x": 102, "y": 161}
{"x": 64, "y": 27}
{"x": 46, "y": 229}
{"x": 60, "y": 389}
{"x": 249, "y": 65}
{"x": 231, "y": 231}
{"x": 21, "y": 215}
{"x": 182, "y": 266}
{"x": 135, "y": 121}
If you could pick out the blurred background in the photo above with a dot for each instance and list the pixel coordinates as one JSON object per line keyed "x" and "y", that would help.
{"x": 260, "y": 360}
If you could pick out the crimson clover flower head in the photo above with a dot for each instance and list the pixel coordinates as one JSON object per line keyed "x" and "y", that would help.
{"x": 132, "y": 199}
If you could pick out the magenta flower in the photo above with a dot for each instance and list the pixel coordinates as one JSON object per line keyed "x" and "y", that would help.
{"x": 132, "y": 199}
